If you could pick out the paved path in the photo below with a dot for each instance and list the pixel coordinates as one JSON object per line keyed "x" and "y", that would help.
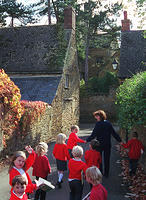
{"x": 112, "y": 184}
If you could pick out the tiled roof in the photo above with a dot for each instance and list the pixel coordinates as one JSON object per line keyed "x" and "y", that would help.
{"x": 132, "y": 53}
{"x": 37, "y": 88}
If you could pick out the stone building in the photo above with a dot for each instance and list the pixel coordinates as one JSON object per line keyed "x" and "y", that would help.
{"x": 25, "y": 55}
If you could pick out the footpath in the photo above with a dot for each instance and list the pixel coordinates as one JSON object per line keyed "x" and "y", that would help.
{"x": 113, "y": 183}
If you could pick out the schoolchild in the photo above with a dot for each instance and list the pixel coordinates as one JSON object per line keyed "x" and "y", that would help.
{"x": 76, "y": 169}
{"x": 92, "y": 156}
{"x": 94, "y": 177}
{"x": 136, "y": 148}
{"x": 18, "y": 188}
{"x": 41, "y": 167}
{"x": 19, "y": 166}
{"x": 61, "y": 154}
{"x": 73, "y": 139}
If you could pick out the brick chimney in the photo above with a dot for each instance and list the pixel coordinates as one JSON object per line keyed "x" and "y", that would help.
{"x": 125, "y": 23}
{"x": 69, "y": 18}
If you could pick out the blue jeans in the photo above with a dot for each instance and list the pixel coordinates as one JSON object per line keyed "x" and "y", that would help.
{"x": 76, "y": 190}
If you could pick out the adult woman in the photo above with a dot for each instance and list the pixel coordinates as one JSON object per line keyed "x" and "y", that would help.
{"x": 102, "y": 132}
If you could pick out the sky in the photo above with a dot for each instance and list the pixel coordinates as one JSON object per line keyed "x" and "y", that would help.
{"x": 128, "y": 5}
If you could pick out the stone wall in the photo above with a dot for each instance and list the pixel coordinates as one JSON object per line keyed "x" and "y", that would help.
{"x": 92, "y": 103}
{"x": 66, "y": 103}
{"x": 28, "y": 49}
{"x": 39, "y": 130}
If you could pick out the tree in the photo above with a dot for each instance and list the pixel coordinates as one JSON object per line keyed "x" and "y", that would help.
{"x": 15, "y": 10}
{"x": 54, "y": 8}
{"x": 96, "y": 19}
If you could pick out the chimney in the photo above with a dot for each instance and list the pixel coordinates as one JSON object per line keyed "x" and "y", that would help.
{"x": 69, "y": 18}
{"x": 125, "y": 23}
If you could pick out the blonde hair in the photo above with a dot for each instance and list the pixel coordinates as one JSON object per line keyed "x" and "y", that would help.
{"x": 41, "y": 148}
{"x": 94, "y": 174}
{"x": 15, "y": 156}
{"x": 77, "y": 151}
{"x": 60, "y": 138}
{"x": 75, "y": 127}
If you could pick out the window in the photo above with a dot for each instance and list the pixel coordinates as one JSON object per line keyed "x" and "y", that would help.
{"x": 66, "y": 81}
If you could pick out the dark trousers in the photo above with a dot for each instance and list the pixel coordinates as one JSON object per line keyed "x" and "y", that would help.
{"x": 133, "y": 163}
{"x": 76, "y": 190}
{"x": 105, "y": 154}
{"x": 70, "y": 153}
{"x": 40, "y": 194}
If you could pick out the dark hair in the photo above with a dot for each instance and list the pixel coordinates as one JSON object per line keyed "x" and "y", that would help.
{"x": 94, "y": 143}
{"x": 135, "y": 134}
{"x": 18, "y": 180}
{"x": 101, "y": 114}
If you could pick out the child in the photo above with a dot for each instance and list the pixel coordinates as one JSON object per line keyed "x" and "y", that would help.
{"x": 73, "y": 139}
{"x": 93, "y": 157}
{"x": 76, "y": 167}
{"x": 60, "y": 152}
{"x": 135, "y": 148}
{"x": 94, "y": 177}
{"x": 19, "y": 187}
{"x": 41, "y": 167}
{"x": 19, "y": 166}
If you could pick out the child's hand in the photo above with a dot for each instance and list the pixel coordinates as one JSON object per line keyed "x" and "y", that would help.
{"x": 29, "y": 149}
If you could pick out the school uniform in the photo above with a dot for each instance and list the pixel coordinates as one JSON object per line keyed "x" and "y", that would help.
{"x": 73, "y": 140}
{"x": 15, "y": 197}
{"x": 93, "y": 158}
{"x": 23, "y": 172}
{"x": 135, "y": 146}
{"x": 76, "y": 167}
{"x": 61, "y": 154}
{"x": 41, "y": 168}
{"x": 98, "y": 192}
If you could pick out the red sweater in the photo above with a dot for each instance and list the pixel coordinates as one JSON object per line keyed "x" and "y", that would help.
{"x": 73, "y": 140}
{"x": 14, "y": 197}
{"x": 60, "y": 152}
{"x": 28, "y": 163}
{"x": 98, "y": 192}
{"x": 41, "y": 166}
{"x": 75, "y": 168}
{"x": 92, "y": 158}
{"x": 134, "y": 146}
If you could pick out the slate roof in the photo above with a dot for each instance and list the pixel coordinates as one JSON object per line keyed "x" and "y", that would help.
{"x": 132, "y": 53}
{"x": 37, "y": 88}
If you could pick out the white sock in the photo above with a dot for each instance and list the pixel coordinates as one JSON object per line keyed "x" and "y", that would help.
{"x": 60, "y": 177}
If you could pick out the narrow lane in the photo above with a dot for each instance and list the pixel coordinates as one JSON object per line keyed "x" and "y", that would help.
{"x": 112, "y": 184}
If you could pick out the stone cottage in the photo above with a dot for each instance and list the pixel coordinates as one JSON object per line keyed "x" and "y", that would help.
{"x": 25, "y": 56}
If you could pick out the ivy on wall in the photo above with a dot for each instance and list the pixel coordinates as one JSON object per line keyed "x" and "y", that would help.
{"x": 17, "y": 115}
{"x": 10, "y": 98}
{"x": 33, "y": 110}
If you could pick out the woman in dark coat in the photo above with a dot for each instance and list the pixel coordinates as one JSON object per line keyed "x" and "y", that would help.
{"x": 102, "y": 132}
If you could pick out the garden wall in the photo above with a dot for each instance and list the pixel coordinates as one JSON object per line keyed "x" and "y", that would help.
{"x": 39, "y": 130}
{"x": 92, "y": 103}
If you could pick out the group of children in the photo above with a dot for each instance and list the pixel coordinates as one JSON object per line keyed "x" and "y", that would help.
{"x": 67, "y": 156}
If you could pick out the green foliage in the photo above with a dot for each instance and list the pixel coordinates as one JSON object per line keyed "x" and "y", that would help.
{"x": 100, "y": 85}
{"x": 131, "y": 101}
{"x": 15, "y": 10}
